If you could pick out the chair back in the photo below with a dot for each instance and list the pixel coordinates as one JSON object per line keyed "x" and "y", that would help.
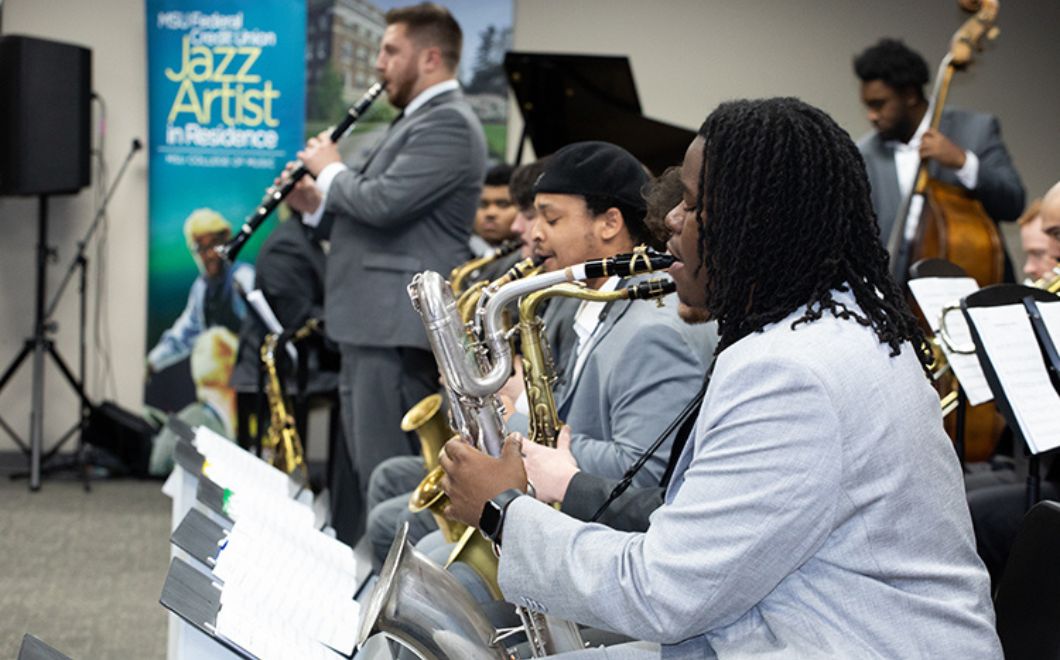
{"x": 1027, "y": 602}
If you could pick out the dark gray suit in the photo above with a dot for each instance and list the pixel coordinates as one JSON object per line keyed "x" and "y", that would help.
{"x": 289, "y": 270}
{"x": 999, "y": 187}
{"x": 403, "y": 207}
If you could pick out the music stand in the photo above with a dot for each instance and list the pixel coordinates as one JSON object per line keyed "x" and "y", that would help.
{"x": 998, "y": 295}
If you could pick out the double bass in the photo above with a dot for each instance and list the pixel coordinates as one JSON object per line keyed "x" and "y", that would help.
{"x": 938, "y": 220}
{"x": 942, "y": 221}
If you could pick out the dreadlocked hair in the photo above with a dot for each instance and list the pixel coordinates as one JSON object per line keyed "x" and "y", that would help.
{"x": 785, "y": 219}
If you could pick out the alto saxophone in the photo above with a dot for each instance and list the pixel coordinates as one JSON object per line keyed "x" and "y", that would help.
{"x": 281, "y": 440}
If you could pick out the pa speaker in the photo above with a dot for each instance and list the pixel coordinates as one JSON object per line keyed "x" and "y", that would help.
{"x": 44, "y": 116}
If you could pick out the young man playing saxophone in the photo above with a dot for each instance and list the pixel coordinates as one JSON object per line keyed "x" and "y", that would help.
{"x": 789, "y": 529}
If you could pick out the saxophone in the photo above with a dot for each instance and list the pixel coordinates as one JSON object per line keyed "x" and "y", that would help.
{"x": 281, "y": 440}
{"x": 458, "y": 276}
{"x": 472, "y": 414}
{"x": 1050, "y": 281}
{"x": 472, "y": 382}
{"x": 546, "y": 635}
{"x": 414, "y": 599}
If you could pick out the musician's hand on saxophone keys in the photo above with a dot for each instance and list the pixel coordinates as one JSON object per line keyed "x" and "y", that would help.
{"x": 471, "y": 477}
{"x": 319, "y": 152}
{"x": 550, "y": 470}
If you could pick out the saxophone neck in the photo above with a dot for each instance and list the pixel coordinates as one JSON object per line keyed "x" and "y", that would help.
{"x": 458, "y": 276}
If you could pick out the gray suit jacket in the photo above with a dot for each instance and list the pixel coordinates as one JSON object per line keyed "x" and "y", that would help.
{"x": 999, "y": 187}
{"x": 800, "y": 522}
{"x": 403, "y": 207}
{"x": 644, "y": 365}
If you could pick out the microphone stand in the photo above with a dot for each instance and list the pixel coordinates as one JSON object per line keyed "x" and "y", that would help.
{"x": 45, "y": 325}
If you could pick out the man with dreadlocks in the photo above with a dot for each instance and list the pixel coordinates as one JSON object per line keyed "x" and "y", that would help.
{"x": 797, "y": 523}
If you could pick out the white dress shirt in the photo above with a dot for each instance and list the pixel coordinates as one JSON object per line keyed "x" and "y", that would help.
{"x": 907, "y": 161}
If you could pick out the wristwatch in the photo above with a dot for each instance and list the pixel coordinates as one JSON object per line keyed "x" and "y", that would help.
{"x": 491, "y": 522}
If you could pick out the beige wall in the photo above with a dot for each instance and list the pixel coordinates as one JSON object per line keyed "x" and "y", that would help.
{"x": 687, "y": 55}
{"x": 114, "y": 30}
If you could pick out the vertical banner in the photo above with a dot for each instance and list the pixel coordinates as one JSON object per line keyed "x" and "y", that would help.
{"x": 226, "y": 85}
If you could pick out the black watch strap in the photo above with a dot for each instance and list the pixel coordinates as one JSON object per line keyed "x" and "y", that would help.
{"x": 491, "y": 522}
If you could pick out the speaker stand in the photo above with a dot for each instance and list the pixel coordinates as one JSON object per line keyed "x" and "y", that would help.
{"x": 37, "y": 347}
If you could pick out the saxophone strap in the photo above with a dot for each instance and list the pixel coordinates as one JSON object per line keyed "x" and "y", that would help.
{"x": 683, "y": 423}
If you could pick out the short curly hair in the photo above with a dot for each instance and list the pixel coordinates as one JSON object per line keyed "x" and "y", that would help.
{"x": 894, "y": 63}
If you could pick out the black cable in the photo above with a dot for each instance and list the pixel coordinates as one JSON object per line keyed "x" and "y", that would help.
{"x": 627, "y": 479}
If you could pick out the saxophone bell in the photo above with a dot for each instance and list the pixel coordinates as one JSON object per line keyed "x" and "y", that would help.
{"x": 421, "y": 606}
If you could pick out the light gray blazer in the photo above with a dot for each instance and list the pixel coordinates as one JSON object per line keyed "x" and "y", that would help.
{"x": 999, "y": 187}
{"x": 817, "y": 512}
{"x": 403, "y": 207}
{"x": 644, "y": 365}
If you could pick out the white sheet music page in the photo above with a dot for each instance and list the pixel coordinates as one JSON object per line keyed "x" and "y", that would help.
{"x": 1050, "y": 312}
{"x": 933, "y": 294}
{"x": 231, "y": 466}
{"x": 267, "y": 634}
{"x": 293, "y": 574}
{"x": 1012, "y": 348}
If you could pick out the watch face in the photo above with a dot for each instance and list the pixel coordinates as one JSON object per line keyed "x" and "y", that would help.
{"x": 490, "y": 519}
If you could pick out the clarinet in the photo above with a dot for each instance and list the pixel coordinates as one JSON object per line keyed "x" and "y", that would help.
{"x": 274, "y": 195}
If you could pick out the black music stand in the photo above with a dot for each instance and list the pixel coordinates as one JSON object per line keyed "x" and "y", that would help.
{"x": 567, "y": 98}
{"x": 944, "y": 268}
{"x": 1014, "y": 294}
{"x": 194, "y": 597}
{"x": 34, "y": 649}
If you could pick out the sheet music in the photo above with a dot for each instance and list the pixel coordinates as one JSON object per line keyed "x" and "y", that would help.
{"x": 304, "y": 575}
{"x": 267, "y": 634}
{"x": 257, "y": 300}
{"x": 933, "y": 294}
{"x": 234, "y": 468}
{"x": 1013, "y": 350}
{"x": 1050, "y": 312}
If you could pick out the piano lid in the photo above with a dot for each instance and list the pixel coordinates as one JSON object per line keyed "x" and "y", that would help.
{"x": 572, "y": 98}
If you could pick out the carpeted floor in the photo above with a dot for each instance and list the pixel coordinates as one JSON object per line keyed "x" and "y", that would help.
{"x": 83, "y": 571}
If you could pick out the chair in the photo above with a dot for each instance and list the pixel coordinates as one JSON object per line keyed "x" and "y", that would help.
{"x": 1027, "y": 602}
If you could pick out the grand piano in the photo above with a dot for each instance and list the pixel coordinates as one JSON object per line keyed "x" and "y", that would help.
{"x": 571, "y": 98}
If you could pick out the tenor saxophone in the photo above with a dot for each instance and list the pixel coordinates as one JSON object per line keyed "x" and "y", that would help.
{"x": 281, "y": 441}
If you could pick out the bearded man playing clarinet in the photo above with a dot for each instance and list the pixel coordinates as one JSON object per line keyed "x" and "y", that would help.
{"x": 404, "y": 206}
{"x": 800, "y": 520}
